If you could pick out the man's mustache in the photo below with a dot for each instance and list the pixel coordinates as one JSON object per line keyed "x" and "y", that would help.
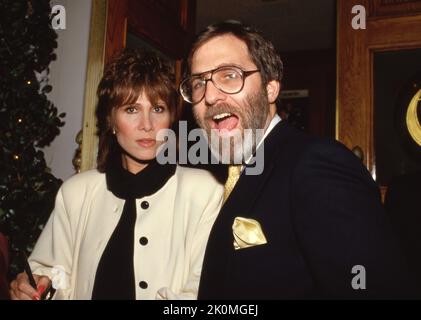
{"x": 221, "y": 108}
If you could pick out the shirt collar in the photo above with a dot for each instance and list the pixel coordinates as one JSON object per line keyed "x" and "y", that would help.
{"x": 125, "y": 185}
{"x": 275, "y": 120}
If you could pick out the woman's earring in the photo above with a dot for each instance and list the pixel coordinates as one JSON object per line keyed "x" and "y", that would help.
{"x": 114, "y": 131}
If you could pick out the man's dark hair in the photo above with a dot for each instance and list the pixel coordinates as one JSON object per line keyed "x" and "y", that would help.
{"x": 261, "y": 51}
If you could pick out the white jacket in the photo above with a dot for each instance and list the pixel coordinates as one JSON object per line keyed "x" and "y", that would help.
{"x": 176, "y": 223}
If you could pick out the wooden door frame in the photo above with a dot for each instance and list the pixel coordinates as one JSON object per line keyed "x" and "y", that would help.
{"x": 95, "y": 68}
{"x": 355, "y": 83}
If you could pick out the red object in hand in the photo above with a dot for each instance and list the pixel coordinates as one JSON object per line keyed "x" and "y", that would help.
{"x": 4, "y": 265}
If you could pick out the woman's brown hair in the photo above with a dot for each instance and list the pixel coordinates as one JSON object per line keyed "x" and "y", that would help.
{"x": 132, "y": 72}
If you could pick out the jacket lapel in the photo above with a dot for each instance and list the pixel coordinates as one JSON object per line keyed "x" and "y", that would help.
{"x": 248, "y": 187}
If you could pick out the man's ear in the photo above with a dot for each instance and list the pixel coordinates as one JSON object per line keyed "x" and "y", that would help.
{"x": 272, "y": 88}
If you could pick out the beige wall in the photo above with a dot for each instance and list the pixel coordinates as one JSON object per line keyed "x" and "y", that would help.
{"x": 67, "y": 76}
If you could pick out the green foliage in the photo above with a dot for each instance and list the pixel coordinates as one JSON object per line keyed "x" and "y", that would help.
{"x": 28, "y": 121}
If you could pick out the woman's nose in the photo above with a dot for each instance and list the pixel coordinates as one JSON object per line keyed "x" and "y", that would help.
{"x": 145, "y": 122}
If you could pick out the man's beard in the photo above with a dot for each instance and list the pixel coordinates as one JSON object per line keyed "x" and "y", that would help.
{"x": 240, "y": 147}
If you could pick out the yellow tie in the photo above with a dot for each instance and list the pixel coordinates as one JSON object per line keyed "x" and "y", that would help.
{"x": 234, "y": 172}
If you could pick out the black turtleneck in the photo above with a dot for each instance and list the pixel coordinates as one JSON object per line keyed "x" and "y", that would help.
{"x": 115, "y": 273}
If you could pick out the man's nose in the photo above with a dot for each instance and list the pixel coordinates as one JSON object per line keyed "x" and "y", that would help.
{"x": 213, "y": 94}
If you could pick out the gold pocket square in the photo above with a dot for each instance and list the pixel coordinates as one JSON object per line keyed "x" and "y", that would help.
{"x": 247, "y": 233}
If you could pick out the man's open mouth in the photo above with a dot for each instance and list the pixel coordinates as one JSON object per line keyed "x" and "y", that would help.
{"x": 224, "y": 121}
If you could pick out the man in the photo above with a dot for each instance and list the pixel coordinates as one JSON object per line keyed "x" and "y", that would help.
{"x": 311, "y": 225}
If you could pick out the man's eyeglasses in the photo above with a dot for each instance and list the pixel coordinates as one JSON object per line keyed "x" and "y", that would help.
{"x": 228, "y": 79}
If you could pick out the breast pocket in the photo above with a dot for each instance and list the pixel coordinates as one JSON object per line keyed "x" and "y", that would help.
{"x": 255, "y": 266}
{"x": 269, "y": 272}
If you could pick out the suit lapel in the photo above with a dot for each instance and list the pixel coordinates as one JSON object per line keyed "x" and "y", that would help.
{"x": 248, "y": 187}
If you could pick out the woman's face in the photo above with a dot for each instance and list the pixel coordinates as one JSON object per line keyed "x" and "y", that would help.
{"x": 136, "y": 126}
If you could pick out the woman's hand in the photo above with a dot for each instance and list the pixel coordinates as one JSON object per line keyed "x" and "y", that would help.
{"x": 20, "y": 289}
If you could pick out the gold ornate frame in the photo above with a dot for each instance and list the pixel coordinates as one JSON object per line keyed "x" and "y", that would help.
{"x": 412, "y": 121}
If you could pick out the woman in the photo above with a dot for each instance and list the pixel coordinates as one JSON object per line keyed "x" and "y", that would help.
{"x": 132, "y": 229}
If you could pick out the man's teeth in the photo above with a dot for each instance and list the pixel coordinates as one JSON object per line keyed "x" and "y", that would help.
{"x": 222, "y": 116}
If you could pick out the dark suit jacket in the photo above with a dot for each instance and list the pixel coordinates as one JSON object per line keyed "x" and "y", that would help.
{"x": 403, "y": 205}
{"x": 321, "y": 213}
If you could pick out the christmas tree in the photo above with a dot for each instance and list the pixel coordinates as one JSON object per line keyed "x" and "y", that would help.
{"x": 28, "y": 122}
